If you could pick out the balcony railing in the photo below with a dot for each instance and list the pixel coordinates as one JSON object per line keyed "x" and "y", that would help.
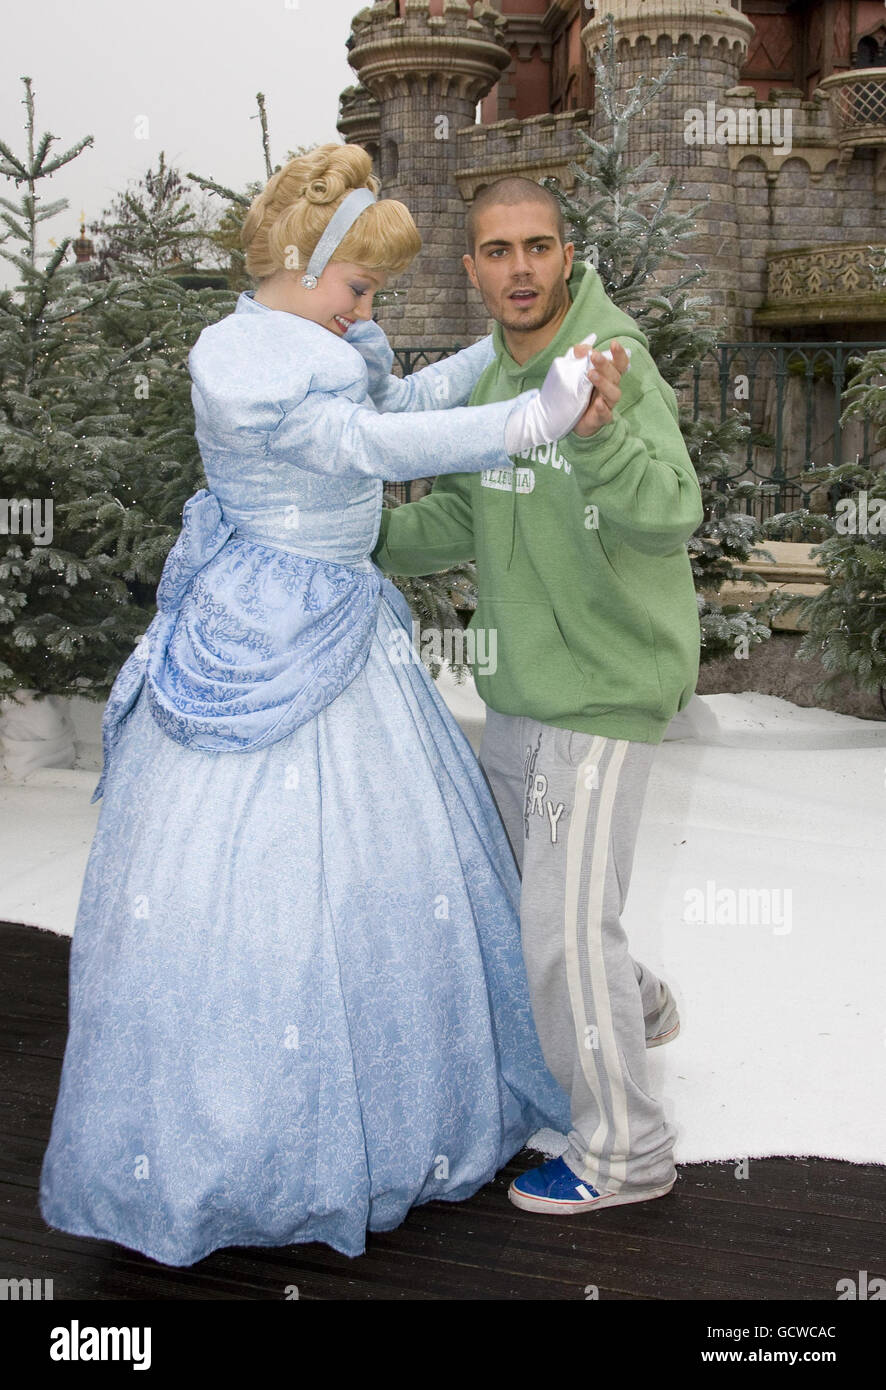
{"x": 793, "y": 395}
{"x": 859, "y": 103}
{"x": 825, "y": 284}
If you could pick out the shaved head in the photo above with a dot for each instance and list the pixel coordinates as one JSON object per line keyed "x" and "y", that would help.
{"x": 506, "y": 192}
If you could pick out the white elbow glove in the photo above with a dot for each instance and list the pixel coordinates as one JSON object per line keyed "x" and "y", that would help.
{"x": 558, "y": 406}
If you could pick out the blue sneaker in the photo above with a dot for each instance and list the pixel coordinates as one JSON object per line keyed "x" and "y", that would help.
{"x": 554, "y": 1189}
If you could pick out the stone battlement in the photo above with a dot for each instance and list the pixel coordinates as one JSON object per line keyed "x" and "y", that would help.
{"x": 535, "y": 147}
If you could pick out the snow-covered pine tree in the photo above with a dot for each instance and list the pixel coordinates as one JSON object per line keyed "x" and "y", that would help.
{"x": 620, "y": 218}
{"x": 847, "y": 619}
{"x": 437, "y": 602}
{"x": 151, "y": 235}
{"x": 67, "y": 618}
{"x": 96, "y": 418}
{"x": 149, "y": 228}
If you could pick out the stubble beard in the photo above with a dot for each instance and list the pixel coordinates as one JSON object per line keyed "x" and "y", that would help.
{"x": 524, "y": 323}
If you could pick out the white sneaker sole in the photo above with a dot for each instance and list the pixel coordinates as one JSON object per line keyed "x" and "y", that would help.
{"x": 550, "y": 1207}
{"x": 667, "y": 1013}
{"x": 667, "y": 1037}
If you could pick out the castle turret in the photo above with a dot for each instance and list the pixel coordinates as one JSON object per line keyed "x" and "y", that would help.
{"x": 358, "y": 120}
{"x": 426, "y": 67}
{"x": 681, "y": 125}
{"x": 83, "y": 246}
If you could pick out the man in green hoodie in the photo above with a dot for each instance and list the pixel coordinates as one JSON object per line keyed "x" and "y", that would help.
{"x": 586, "y": 597}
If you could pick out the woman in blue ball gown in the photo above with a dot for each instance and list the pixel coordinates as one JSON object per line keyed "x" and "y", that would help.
{"x": 297, "y": 998}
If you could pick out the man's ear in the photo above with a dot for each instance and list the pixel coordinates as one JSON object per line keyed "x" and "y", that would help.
{"x": 468, "y": 263}
{"x": 568, "y": 256}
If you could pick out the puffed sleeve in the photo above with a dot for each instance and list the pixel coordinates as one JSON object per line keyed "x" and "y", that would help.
{"x": 434, "y": 387}
{"x": 326, "y": 433}
{"x": 254, "y": 392}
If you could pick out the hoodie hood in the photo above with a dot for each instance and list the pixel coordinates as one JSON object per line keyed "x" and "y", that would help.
{"x": 591, "y": 312}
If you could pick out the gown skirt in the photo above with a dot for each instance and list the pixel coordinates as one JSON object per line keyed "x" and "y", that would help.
{"x": 298, "y": 1004}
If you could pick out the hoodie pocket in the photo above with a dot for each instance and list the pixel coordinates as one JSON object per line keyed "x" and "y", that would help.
{"x": 523, "y": 665}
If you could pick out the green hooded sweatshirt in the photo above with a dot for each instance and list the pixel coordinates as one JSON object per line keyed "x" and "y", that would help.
{"x": 587, "y": 616}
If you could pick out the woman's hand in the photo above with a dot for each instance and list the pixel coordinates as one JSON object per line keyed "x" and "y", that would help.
{"x": 555, "y": 409}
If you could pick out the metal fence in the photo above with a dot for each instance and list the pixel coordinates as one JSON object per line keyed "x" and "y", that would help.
{"x": 792, "y": 395}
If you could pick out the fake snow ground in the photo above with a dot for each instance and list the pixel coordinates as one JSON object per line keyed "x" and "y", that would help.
{"x": 782, "y": 1048}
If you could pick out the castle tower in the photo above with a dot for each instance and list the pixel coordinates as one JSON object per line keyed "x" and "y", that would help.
{"x": 426, "y": 64}
{"x": 83, "y": 245}
{"x": 358, "y": 120}
{"x": 714, "y": 36}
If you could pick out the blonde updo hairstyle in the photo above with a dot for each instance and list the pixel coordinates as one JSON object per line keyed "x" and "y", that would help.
{"x": 298, "y": 201}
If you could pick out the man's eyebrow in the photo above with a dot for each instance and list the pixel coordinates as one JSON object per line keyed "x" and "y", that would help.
{"x": 527, "y": 241}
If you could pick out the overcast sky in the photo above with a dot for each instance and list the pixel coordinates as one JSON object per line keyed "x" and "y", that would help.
{"x": 190, "y": 67}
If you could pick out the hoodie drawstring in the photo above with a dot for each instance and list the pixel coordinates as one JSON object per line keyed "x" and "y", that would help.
{"x": 513, "y": 510}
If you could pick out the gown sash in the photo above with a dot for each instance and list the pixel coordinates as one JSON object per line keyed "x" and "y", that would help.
{"x": 249, "y": 641}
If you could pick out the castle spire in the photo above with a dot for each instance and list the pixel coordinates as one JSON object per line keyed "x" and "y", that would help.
{"x": 83, "y": 245}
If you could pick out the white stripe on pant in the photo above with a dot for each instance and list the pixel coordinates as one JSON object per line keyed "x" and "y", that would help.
{"x": 571, "y": 805}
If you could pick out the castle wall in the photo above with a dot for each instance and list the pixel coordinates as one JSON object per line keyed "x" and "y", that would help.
{"x": 417, "y": 112}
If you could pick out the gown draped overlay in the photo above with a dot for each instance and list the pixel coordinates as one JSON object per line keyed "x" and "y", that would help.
{"x": 298, "y": 1003}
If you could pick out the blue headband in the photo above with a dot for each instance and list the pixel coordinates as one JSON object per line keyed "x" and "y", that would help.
{"x": 340, "y": 222}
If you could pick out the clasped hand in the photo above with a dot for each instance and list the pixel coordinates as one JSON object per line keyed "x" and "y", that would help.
{"x": 578, "y": 394}
{"x": 604, "y": 372}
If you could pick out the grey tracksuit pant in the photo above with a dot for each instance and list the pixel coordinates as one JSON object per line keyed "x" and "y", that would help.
{"x": 571, "y": 804}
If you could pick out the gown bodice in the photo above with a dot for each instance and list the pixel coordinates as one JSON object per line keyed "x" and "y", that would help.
{"x": 274, "y": 501}
{"x": 280, "y": 408}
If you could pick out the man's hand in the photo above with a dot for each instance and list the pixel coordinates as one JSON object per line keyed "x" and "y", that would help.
{"x": 605, "y": 376}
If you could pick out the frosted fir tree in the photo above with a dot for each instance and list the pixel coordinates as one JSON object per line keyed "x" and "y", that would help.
{"x": 150, "y": 228}
{"x": 97, "y": 421}
{"x": 621, "y": 219}
{"x": 437, "y": 603}
{"x": 847, "y": 619}
{"x": 67, "y": 619}
{"x": 151, "y": 235}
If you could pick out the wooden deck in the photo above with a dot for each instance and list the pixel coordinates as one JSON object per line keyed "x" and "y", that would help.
{"x": 789, "y": 1232}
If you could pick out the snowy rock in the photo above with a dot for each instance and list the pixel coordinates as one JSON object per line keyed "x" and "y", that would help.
{"x": 35, "y": 731}
{"x": 697, "y": 721}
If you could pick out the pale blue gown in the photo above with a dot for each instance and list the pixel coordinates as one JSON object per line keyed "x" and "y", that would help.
{"x": 297, "y": 996}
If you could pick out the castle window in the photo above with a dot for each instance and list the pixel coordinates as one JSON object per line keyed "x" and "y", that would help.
{"x": 870, "y": 53}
